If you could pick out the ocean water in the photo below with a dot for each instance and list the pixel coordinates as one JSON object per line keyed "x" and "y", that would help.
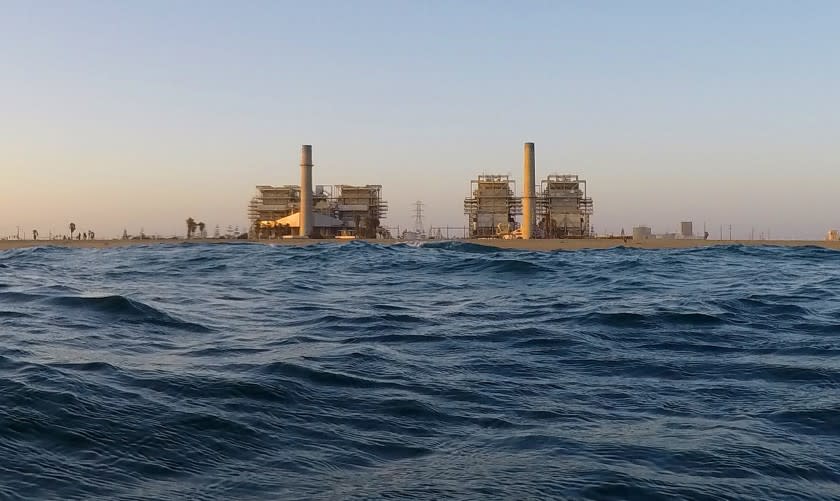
{"x": 442, "y": 371}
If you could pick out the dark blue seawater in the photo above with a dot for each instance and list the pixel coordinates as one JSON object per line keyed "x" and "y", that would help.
{"x": 447, "y": 371}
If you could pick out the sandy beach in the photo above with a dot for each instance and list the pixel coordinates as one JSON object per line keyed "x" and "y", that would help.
{"x": 535, "y": 245}
{"x": 606, "y": 243}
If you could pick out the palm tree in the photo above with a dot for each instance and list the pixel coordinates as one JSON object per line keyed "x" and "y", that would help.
{"x": 190, "y": 227}
{"x": 34, "y": 234}
{"x": 72, "y": 229}
{"x": 201, "y": 230}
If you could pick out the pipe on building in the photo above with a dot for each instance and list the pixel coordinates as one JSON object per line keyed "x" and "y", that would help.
{"x": 529, "y": 218}
{"x": 306, "y": 191}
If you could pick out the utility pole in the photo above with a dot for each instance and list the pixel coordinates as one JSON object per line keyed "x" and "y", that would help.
{"x": 730, "y": 232}
{"x": 721, "y": 232}
{"x": 752, "y": 233}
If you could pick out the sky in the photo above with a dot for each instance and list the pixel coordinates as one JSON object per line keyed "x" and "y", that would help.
{"x": 133, "y": 115}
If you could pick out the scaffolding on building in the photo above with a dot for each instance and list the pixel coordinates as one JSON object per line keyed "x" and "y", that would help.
{"x": 492, "y": 207}
{"x": 323, "y": 200}
{"x": 359, "y": 208}
{"x": 563, "y": 207}
{"x": 272, "y": 203}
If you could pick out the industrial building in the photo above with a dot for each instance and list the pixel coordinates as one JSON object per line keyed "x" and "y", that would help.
{"x": 563, "y": 208}
{"x": 325, "y": 212}
{"x": 274, "y": 202}
{"x": 492, "y": 206}
{"x": 360, "y": 208}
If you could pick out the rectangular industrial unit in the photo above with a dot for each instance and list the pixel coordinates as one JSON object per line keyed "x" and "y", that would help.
{"x": 492, "y": 207}
{"x": 360, "y": 208}
{"x": 274, "y": 202}
{"x": 563, "y": 208}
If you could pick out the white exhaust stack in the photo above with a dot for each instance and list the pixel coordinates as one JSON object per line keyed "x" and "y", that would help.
{"x": 306, "y": 191}
{"x": 529, "y": 218}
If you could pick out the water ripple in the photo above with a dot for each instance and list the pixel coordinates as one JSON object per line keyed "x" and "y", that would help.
{"x": 440, "y": 370}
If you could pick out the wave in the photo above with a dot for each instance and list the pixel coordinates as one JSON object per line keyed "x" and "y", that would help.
{"x": 464, "y": 247}
{"x": 122, "y": 309}
{"x": 444, "y": 369}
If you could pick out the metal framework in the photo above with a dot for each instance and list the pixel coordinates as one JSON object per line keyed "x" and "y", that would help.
{"x": 360, "y": 208}
{"x": 563, "y": 207}
{"x": 273, "y": 202}
{"x": 492, "y": 207}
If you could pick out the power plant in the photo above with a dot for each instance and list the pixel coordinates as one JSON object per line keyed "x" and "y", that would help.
{"x": 564, "y": 207}
{"x": 359, "y": 207}
{"x": 561, "y": 208}
{"x": 493, "y": 206}
{"x": 558, "y": 207}
{"x": 327, "y": 212}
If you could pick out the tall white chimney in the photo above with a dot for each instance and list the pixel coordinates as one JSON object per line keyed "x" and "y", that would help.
{"x": 306, "y": 191}
{"x": 529, "y": 218}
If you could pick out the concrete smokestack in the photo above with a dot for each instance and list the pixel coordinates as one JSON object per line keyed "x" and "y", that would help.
{"x": 306, "y": 191}
{"x": 529, "y": 217}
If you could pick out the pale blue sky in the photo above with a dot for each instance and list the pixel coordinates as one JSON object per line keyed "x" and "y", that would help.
{"x": 135, "y": 114}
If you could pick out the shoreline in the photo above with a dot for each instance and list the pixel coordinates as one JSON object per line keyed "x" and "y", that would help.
{"x": 531, "y": 245}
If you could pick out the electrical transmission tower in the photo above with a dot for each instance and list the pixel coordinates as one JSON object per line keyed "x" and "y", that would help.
{"x": 418, "y": 218}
